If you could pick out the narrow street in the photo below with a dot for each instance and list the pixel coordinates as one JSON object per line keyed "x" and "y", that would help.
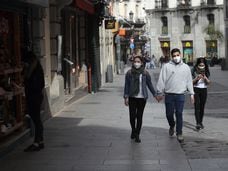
{"x": 94, "y": 134}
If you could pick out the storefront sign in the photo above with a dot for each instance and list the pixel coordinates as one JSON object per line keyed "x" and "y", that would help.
{"x": 110, "y": 24}
{"x": 116, "y": 27}
{"x": 165, "y": 44}
{"x": 187, "y": 44}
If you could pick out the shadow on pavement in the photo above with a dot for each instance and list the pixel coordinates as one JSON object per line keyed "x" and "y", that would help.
{"x": 73, "y": 144}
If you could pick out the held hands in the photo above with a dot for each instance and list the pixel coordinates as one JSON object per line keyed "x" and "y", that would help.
{"x": 158, "y": 98}
{"x": 192, "y": 99}
{"x": 126, "y": 102}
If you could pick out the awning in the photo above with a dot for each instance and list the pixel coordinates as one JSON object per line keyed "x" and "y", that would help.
{"x": 85, "y": 5}
{"x": 42, "y": 3}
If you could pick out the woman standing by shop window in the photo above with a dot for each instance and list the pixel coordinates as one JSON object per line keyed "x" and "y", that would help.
{"x": 201, "y": 74}
{"x": 135, "y": 94}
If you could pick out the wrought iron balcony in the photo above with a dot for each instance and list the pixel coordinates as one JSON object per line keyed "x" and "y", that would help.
{"x": 139, "y": 23}
{"x": 209, "y": 4}
{"x": 161, "y": 5}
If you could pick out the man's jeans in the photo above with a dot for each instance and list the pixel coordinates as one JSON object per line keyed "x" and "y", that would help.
{"x": 174, "y": 103}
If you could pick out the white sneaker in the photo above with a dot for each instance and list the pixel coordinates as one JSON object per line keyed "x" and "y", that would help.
{"x": 180, "y": 138}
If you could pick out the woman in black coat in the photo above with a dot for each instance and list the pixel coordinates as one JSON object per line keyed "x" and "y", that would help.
{"x": 34, "y": 84}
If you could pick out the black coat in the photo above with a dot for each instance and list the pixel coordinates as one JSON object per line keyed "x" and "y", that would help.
{"x": 34, "y": 84}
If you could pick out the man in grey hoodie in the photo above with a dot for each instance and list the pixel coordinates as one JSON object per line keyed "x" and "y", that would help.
{"x": 175, "y": 81}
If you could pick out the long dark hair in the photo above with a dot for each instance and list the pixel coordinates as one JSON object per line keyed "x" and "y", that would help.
{"x": 202, "y": 60}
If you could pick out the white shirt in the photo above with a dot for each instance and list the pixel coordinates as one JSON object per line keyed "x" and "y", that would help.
{"x": 201, "y": 84}
{"x": 140, "y": 94}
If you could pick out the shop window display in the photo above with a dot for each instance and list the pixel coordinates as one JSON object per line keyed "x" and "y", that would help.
{"x": 11, "y": 89}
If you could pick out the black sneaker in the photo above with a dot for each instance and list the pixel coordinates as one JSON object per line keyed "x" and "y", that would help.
{"x": 33, "y": 147}
{"x": 198, "y": 127}
{"x": 41, "y": 145}
{"x": 171, "y": 131}
{"x": 201, "y": 126}
{"x": 132, "y": 135}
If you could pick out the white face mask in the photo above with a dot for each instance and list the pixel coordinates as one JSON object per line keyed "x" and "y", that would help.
{"x": 177, "y": 59}
{"x": 201, "y": 67}
{"x": 137, "y": 65}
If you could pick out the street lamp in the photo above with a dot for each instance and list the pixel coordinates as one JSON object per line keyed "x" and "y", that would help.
{"x": 131, "y": 14}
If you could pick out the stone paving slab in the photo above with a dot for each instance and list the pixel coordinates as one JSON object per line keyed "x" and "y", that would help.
{"x": 94, "y": 134}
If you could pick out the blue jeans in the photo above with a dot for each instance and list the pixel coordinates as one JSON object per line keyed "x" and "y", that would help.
{"x": 174, "y": 103}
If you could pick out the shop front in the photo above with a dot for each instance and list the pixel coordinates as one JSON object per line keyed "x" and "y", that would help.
{"x": 211, "y": 48}
{"x": 80, "y": 60}
{"x": 15, "y": 38}
{"x": 187, "y": 52}
{"x": 165, "y": 48}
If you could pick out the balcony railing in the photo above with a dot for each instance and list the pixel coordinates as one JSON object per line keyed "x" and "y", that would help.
{"x": 208, "y": 4}
{"x": 161, "y": 4}
{"x": 183, "y": 4}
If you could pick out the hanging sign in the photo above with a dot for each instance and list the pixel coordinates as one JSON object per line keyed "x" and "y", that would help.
{"x": 110, "y": 24}
{"x": 122, "y": 31}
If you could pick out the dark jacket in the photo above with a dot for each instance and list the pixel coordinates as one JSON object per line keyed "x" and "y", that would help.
{"x": 146, "y": 82}
{"x": 34, "y": 84}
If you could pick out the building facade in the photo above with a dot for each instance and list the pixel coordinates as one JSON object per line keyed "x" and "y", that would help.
{"x": 194, "y": 26}
{"x": 22, "y": 29}
{"x": 225, "y": 66}
{"x": 66, "y": 36}
{"x": 129, "y": 39}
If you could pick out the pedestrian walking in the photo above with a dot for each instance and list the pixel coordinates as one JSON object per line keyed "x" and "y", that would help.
{"x": 34, "y": 84}
{"x": 200, "y": 74}
{"x": 147, "y": 60}
{"x": 137, "y": 80}
{"x": 175, "y": 80}
{"x": 152, "y": 62}
{"x": 161, "y": 61}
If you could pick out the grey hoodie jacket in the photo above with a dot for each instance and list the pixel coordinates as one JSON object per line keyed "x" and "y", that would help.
{"x": 175, "y": 78}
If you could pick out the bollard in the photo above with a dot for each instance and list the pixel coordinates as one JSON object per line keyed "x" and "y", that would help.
{"x": 109, "y": 77}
